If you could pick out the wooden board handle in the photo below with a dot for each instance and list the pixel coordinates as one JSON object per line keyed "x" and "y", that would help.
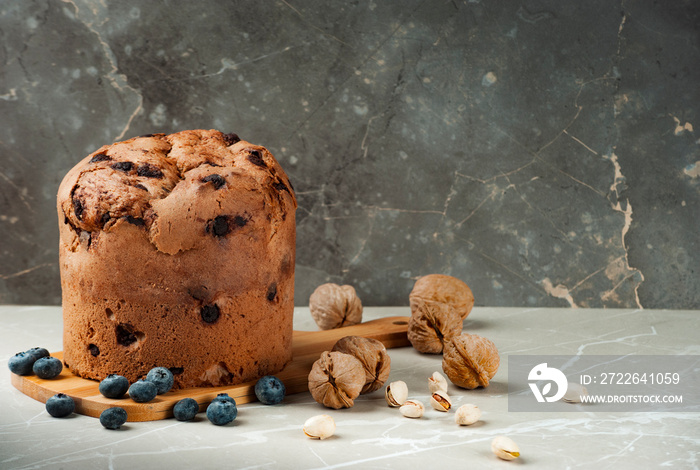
{"x": 391, "y": 331}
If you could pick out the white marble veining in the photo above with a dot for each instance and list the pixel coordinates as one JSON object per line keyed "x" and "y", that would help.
{"x": 372, "y": 435}
{"x": 547, "y": 153}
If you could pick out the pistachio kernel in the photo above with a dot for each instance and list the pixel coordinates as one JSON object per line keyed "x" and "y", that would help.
{"x": 440, "y": 401}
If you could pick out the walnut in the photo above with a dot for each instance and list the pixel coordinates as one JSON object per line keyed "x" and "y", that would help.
{"x": 432, "y": 324}
{"x": 373, "y": 356}
{"x": 336, "y": 379}
{"x": 334, "y": 306}
{"x": 445, "y": 289}
{"x": 470, "y": 361}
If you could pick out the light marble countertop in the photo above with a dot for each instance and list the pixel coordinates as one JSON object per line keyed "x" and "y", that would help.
{"x": 372, "y": 435}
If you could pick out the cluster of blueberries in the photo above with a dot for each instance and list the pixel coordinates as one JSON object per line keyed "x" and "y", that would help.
{"x": 269, "y": 390}
{"x": 35, "y": 361}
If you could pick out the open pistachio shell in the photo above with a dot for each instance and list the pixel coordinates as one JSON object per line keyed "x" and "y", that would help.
{"x": 396, "y": 393}
{"x": 440, "y": 401}
{"x": 437, "y": 382}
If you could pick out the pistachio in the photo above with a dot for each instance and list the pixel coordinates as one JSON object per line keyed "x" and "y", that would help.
{"x": 412, "y": 409}
{"x": 437, "y": 382}
{"x": 467, "y": 414}
{"x": 396, "y": 393}
{"x": 505, "y": 448}
{"x": 440, "y": 401}
{"x": 319, "y": 427}
{"x": 574, "y": 392}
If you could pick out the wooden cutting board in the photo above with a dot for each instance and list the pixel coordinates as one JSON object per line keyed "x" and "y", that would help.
{"x": 306, "y": 349}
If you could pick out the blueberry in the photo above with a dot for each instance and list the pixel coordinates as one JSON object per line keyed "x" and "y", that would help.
{"x": 60, "y": 405}
{"x": 143, "y": 391}
{"x": 240, "y": 221}
{"x": 218, "y": 226}
{"x": 210, "y": 313}
{"x": 217, "y": 180}
{"x": 21, "y": 363}
{"x": 38, "y": 353}
{"x": 114, "y": 386}
{"x": 231, "y": 138}
{"x": 94, "y": 350}
{"x": 222, "y": 410}
{"x": 113, "y": 418}
{"x": 270, "y": 390}
{"x": 138, "y": 221}
{"x": 162, "y": 378}
{"x": 255, "y": 157}
{"x": 272, "y": 292}
{"x": 123, "y": 166}
{"x": 47, "y": 367}
{"x": 100, "y": 157}
{"x": 224, "y": 397}
{"x": 280, "y": 186}
{"x": 186, "y": 409}
{"x": 149, "y": 171}
{"x": 125, "y": 334}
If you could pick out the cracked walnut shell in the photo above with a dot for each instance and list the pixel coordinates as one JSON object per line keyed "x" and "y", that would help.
{"x": 431, "y": 325}
{"x": 336, "y": 379}
{"x": 470, "y": 361}
{"x": 334, "y": 306}
{"x": 444, "y": 289}
{"x": 373, "y": 356}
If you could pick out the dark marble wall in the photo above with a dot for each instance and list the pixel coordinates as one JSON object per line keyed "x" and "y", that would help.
{"x": 543, "y": 151}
